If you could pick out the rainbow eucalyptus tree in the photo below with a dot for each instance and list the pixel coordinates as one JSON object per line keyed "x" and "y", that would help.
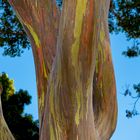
{"x": 74, "y": 71}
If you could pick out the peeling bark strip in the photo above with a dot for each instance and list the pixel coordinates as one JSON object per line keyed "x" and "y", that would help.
{"x": 74, "y": 101}
{"x": 5, "y": 133}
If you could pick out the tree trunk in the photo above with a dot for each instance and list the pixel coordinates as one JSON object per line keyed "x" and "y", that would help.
{"x": 5, "y": 133}
{"x": 104, "y": 87}
{"x": 75, "y": 77}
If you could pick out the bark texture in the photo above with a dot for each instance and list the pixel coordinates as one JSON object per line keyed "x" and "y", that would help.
{"x": 104, "y": 86}
{"x": 5, "y": 133}
{"x": 75, "y": 77}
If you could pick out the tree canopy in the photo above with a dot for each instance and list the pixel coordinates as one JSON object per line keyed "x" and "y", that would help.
{"x": 124, "y": 17}
{"x": 21, "y": 125}
{"x": 12, "y": 36}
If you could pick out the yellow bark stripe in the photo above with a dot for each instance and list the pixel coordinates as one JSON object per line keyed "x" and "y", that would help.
{"x": 44, "y": 69}
{"x": 77, "y": 115}
{"x": 34, "y": 34}
{"x": 80, "y": 11}
{"x": 52, "y": 134}
{"x": 38, "y": 44}
{"x": 102, "y": 33}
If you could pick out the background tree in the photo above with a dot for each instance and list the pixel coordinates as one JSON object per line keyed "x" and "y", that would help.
{"x": 4, "y": 130}
{"x": 12, "y": 36}
{"x": 125, "y": 17}
{"x": 21, "y": 125}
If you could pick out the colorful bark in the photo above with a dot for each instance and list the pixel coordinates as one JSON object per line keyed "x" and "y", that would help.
{"x": 72, "y": 104}
{"x": 40, "y": 20}
{"x": 104, "y": 90}
{"x": 5, "y": 133}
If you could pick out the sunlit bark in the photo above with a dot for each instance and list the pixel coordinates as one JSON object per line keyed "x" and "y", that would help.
{"x": 75, "y": 77}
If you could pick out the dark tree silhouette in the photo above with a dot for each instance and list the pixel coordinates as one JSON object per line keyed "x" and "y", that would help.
{"x": 22, "y": 125}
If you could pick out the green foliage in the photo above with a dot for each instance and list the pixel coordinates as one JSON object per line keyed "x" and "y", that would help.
{"x": 131, "y": 52}
{"x": 136, "y": 97}
{"x": 8, "y": 86}
{"x": 22, "y": 125}
{"x": 125, "y": 17}
{"x": 12, "y": 36}
{"x": 129, "y": 17}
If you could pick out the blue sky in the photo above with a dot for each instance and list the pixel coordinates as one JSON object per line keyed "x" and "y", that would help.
{"x": 22, "y": 70}
{"x": 126, "y": 73}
